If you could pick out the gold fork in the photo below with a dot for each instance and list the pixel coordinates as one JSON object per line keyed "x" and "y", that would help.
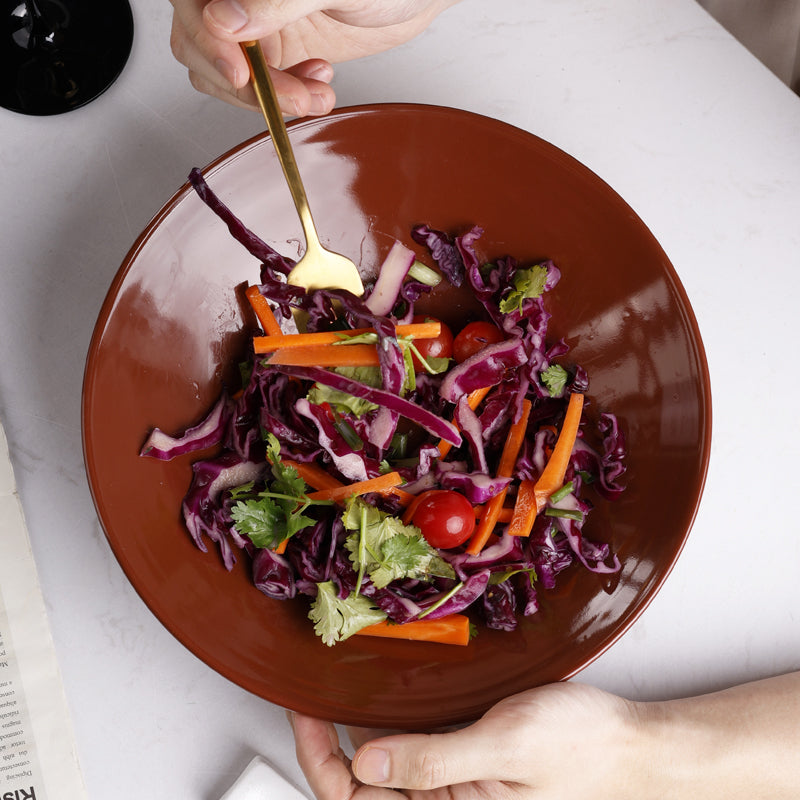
{"x": 319, "y": 268}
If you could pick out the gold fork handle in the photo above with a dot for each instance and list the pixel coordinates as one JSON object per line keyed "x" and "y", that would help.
{"x": 265, "y": 92}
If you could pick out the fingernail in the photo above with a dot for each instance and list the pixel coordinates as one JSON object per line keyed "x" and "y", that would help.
{"x": 289, "y": 105}
{"x": 227, "y": 15}
{"x": 323, "y": 72}
{"x": 228, "y": 72}
{"x": 372, "y": 766}
{"x": 318, "y": 105}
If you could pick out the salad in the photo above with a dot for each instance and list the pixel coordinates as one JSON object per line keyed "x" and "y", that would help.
{"x": 395, "y": 472}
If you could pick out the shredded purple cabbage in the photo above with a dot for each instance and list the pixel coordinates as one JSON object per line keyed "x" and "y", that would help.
{"x": 487, "y": 367}
{"x": 253, "y": 243}
{"x": 210, "y": 431}
{"x": 431, "y": 422}
{"x": 390, "y": 280}
{"x": 504, "y": 582}
{"x": 444, "y": 252}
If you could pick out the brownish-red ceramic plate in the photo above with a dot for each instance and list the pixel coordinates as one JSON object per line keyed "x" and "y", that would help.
{"x": 173, "y": 325}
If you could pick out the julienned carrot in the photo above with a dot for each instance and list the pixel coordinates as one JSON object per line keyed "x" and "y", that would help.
{"x": 267, "y": 344}
{"x": 505, "y": 514}
{"x": 338, "y": 494}
{"x": 532, "y": 495}
{"x": 553, "y": 474}
{"x": 314, "y": 475}
{"x": 405, "y": 498}
{"x": 453, "y": 629}
{"x": 525, "y": 509}
{"x": 474, "y": 399}
{"x": 505, "y": 469}
{"x": 263, "y": 312}
{"x": 327, "y": 355}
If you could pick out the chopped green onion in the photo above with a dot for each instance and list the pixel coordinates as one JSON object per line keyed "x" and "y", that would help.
{"x": 424, "y": 274}
{"x": 559, "y": 494}
{"x": 398, "y": 448}
{"x": 347, "y": 432}
{"x": 564, "y": 513}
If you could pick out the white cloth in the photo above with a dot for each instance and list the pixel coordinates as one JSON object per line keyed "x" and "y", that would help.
{"x": 770, "y": 29}
{"x": 260, "y": 781}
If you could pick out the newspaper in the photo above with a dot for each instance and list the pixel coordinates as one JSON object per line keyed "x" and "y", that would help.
{"x": 37, "y": 746}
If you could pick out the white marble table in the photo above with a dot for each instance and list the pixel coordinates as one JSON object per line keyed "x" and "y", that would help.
{"x": 652, "y": 95}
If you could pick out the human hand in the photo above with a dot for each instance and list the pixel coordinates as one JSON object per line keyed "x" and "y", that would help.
{"x": 560, "y": 742}
{"x": 301, "y": 41}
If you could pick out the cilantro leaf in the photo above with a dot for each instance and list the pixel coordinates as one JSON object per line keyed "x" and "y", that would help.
{"x": 528, "y": 283}
{"x": 351, "y": 518}
{"x": 269, "y": 516}
{"x": 336, "y": 619}
{"x": 243, "y": 491}
{"x": 262, "y": 520}
{"x": 401, "y": 557}
{"x": 382, "y": 547}
{"x": 555, "y": 379}
{"x": 273, "y": 447}
{"x": 287, "y": 481}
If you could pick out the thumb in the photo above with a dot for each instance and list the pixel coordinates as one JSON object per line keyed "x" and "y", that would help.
{"x": 255, "y": 19}
{"x": 430, "y": 761}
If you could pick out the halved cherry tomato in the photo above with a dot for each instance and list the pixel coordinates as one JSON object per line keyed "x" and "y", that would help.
{"x": 473, "y": 338}
{"x": 445, "y": 518}
{"x": 440, "y": 347}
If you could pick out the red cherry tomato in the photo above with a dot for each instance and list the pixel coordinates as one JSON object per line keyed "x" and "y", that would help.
{"x": 440, "y": 347}
{"x": 445, "y": 518}
{"x": 473, "y": 338}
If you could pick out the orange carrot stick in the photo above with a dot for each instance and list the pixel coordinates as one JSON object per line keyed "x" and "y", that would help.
{"x": 473, "y": 400}
{"x": 403, "y": 496}
{"x": 505, "y": 469}
{"x": 505, "y": 514}
{"x": 532, "y": 496}
{"x": 453, "y": 629}
{"x": 552, "y": 476}
{"x": 267, "y": 344}
{"x": 525, "y": 509}
{"x": 383, "y": 483}
{"x": 263, "y": 311}
{"x": 317, "y": 478}
{"x": 327, "y": 355}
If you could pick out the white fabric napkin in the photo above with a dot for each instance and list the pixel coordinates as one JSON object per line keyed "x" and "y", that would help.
{"x": 260, "y": 781}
